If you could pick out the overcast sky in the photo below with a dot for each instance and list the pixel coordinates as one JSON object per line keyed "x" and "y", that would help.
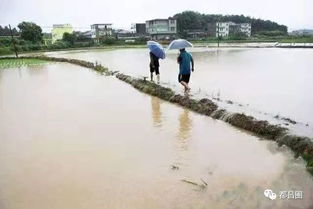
{"x": 296, "y": 14}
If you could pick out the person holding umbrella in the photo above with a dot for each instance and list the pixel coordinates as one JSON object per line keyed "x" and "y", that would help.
{"x": 156, "y": 52}
{"x": 154, "y": 67}
{"x": 185, "y": 61}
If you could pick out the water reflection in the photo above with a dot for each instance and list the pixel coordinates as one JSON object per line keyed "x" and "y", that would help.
{"x": 184, "y": 125}
{"x": 183, "y": 138}
{"x": 156, "y": 111}
{"x": 36, "y": 69}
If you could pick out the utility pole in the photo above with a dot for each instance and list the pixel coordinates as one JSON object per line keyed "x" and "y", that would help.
{"x": 13, "y": 41}
{"x": 218, "y": 34}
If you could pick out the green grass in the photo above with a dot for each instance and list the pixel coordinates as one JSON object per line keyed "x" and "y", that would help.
{"x": 15, "y": 63}
{"x": 308, "y": 39}
{"x": 280, "y": 39}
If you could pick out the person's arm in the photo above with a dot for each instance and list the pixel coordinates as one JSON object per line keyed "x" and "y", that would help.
{"x": 179, "y": 59}
{"x": 192, "y": 64}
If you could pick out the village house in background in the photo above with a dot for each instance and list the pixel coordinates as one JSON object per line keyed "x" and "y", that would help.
{"x": 225, "y": 29}
{"x": 219, "y": 29}
{"x": 83, "y": 35}
{"x": 140, "y": 28}
{"x": 99, "y": 31}
{"x": 59, "y": 29}
{"x": 245, "y": 28}
{"x": 137, "y": 31}
{"x": 162, "y": 28}
{"x": 124, "y": 34}
{"x": 303, "y": 32}
{"x": 196, "y": 33}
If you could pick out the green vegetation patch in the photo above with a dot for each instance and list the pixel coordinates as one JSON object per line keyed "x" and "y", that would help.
{"x": 295, "y": 39}
{"x": 15, "y": 63}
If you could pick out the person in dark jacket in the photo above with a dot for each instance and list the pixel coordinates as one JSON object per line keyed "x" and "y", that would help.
{"x": 186, "y": 65}
{"x": 154, "y": 67}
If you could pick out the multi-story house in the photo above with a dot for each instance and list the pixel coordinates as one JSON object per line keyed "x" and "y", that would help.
{"x": 162, "y": 28}
{"x": 140, "y": 28}
{"x": 246, "y": 29}
{"x": 99, "y": 31}
{"x": 222, "y": 29}
{"x": 225, "y": 29}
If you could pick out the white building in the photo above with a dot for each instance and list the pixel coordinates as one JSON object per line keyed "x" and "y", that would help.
{"x": 245, "y": 28}
{"x": 222, "y": 29}
{"x": 225, "y": 29}
{"x": 101, "y": 30}
{"x": 162, "y": 28}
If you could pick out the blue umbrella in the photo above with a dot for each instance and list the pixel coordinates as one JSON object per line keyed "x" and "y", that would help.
{"x": 156, "y": 49}
{"x": 179, "y": 44}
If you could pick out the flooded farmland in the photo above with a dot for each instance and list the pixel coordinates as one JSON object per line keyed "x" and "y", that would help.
{"x": 71, "y": 139}
{"x": 267, "y": 83}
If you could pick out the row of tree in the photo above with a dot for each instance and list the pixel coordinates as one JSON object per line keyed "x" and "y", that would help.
{"x": 190, "y": 20}
{"x": 5, "y": 31}
{"x": 28, "y": 31}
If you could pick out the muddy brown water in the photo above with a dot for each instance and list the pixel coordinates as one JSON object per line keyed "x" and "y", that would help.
{"x": 263, "y": 82}
{"x": 73, "y": 139}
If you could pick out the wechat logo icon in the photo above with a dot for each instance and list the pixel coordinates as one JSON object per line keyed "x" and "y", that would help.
{"x": 270, "y": 194}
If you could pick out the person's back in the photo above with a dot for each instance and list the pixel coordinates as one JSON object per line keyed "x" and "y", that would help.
{"x": 154, "y": 60}
{"x": 154, "y": 66}
{"x": 186, "y": 65}
{"x": 184, "y": 60}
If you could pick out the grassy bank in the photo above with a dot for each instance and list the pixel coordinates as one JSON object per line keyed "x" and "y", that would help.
{"x": 305, "y": 39}
{"x": 302, "y": 146}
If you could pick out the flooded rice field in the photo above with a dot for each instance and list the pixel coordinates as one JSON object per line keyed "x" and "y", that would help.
{"x": 269, "y": 83}
{"x": 74, "y": 139}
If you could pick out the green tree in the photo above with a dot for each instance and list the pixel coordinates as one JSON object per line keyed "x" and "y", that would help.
{"x": 14, "y": 32}
{"x": 188, "y": 20}
{"x": 238, "y": 36}
{"x": 69, "y": 38}
{"x": 5, "y": 31}
{"x": 30, "y": 32}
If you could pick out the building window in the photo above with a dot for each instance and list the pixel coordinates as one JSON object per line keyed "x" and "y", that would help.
{"x": 172, "y": 21}
{"x": 172, "y": 28}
